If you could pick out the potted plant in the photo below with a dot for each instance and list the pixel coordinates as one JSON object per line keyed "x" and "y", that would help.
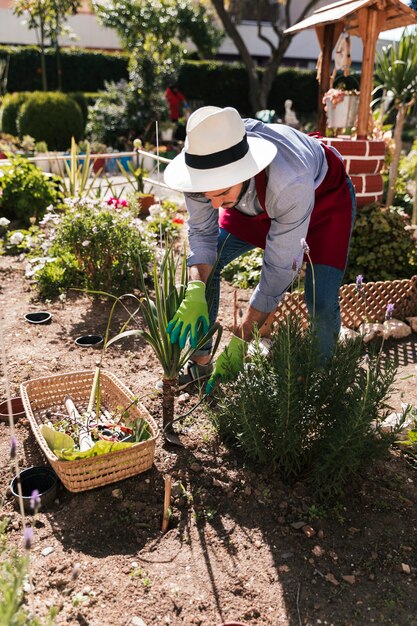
{"x": 341, "y": 107}
{"x": 42, "y": 157}
{"x": 135, "y": 176}
{"x": 167, "y": 129}
{"x": 97, "y": 151}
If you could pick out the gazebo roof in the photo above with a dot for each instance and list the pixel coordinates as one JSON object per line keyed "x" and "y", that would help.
{"x": 396, "y": 14}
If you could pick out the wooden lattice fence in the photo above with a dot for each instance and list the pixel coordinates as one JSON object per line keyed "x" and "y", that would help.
{"x": 368, "y": 304}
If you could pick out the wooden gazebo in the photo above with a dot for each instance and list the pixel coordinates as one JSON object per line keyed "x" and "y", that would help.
{"x": 364, "y": 157}
{"x": 363, "y": 18}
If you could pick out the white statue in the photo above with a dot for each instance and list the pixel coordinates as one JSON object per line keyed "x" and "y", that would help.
{"x": 290, "y": 117}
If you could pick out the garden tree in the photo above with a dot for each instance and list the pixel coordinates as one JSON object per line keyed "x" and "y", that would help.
{"x": 46, "y": 18}
{"x": 413, "y": 5}
{"x": 152, "y": 31}
{"x": 279, "y": 15}
{"x": 396, "y": 72}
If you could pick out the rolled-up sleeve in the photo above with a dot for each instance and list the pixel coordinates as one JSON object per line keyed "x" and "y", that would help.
{"x": 290, "y": 217}
{"x": 203, "y": 230}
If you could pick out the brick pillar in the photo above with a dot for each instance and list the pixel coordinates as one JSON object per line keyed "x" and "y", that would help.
{"x": 364, "y": 159}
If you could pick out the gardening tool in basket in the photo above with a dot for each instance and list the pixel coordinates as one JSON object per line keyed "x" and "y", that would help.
{"x": 43, "y": 398}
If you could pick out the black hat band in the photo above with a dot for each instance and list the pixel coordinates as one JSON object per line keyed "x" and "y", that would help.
{"x": 218, "y": 159}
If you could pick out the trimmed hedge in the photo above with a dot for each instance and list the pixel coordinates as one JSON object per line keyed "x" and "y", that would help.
{"x": 11, "y": 105}
{"x": 52, "y": 117}
{"x": 82, "y": 70}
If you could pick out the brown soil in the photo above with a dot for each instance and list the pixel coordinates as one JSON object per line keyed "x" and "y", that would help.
{"x": 242, "y": 547}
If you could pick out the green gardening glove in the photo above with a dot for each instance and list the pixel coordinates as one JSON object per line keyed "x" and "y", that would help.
{"x": 192, "y": 310}
{"x": 229, "y": 363}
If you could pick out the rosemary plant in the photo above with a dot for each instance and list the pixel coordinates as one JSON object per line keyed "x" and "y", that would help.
{"x": 321, "y": 423}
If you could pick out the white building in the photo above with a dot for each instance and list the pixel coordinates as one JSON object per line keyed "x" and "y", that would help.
{"x": 302, "y": 52}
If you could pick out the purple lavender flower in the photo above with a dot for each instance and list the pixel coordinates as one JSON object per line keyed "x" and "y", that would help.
{"x": 305, "y": 246}
{"x": 389, "y": 311}
{"x": 295, "y": 265}
{"x": 27, "y": 537}
{"x": 359, "y": 282}
{"x": 13, "y": 447}
{"x": 35, "y": 500}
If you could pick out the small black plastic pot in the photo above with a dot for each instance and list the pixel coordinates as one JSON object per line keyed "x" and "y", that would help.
{"x": 42, "y": 478}
{"x": 18, "y": 410}
{"x": 89, "y": 341}
{"x": 38, "y": 317}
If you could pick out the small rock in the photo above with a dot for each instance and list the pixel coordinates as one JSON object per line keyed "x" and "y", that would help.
{"x": 219, "y": 483}
{"x": 320, "y": 534}
{"x": 137, "y": 621}
{"x": 176, "y": 489}
{"x": 396, "y": 329}
{"x": 405, "y": 568}
{"x": 413, "y": 323}
{"x": 332, "y": 579}
{"x": 309, "y": 531}
{"x": 370, "y": 331}
{"x": 298, "y": 525}
{"x": 349, "y": 579}
{"x": 183, "y": 398}
{"x": 283, "y": 568}
{"x": 117, "y": 493}
{"x": 47, "y": 551}
{"x": 196, "y": 467}
{"x": 318, "y": 551}
{"x": 258, "y": 544}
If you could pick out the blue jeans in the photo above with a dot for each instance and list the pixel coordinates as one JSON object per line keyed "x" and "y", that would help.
{"x": 327, "y": 281}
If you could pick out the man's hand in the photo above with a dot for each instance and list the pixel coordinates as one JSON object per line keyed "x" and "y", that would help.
{"x": 191, "y": 312}
{"x": 229, "y": 363}
{"x": 251, "y": 318}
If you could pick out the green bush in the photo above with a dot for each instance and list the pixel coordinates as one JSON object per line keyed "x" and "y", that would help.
{"x": 381, "y": 248}
{"x": 245, "y": 271}
{"x": 10, "y": 110}
{"x": 308, "y": 421}
{"x": 95, "y": 248}
{"x": 82, "y": 70}
{"x": 52, "y": 117}
{"x": 26, "y": 191}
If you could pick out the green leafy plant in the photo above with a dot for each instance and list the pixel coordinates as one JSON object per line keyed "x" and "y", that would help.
{"x": 96, "y": 247}
{"x": 170, "y": 284}
{"x": 321, "y": 423}
{"x": 245, "y": 271}
{"x": 165, "y": 220}
{"x": 79, "y": 180}
{"x": 14, "y": 569}
{"x": 26, "y": 192}
{"x": 381, "y": 247}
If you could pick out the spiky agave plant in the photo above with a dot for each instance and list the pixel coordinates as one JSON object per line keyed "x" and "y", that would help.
{"x": 170, "y": 284}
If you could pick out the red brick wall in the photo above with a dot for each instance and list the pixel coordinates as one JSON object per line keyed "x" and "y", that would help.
{"x": 364, "y": 159}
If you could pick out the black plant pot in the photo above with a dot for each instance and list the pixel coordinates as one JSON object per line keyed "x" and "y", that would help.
{"x": 38, "y": 317}
{"x": 18, "y": 410}
{"x": 42, "y": 478}
{"x": 89, "y": 341}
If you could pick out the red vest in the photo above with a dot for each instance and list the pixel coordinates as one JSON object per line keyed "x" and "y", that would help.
{"x": 330, "y": 222}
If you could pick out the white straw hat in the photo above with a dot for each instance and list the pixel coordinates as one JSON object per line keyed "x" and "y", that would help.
{"x": 217, "y": 152}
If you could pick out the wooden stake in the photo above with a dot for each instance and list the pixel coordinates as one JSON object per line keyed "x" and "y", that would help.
{"x": 235, "y": 309}
{"x": 167, "y": 501}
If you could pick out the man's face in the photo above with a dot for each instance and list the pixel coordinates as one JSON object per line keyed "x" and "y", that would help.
{"x": 225, "y": 198}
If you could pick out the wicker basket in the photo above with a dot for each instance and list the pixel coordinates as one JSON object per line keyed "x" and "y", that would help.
{"x": 43, "y": 396}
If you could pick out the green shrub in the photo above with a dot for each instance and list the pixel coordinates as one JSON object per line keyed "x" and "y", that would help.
{"x": 381, "y": 248}
{"x": 52, "y": 117}
{"x": 82, "y": 102}
{"x": 95, "y": 248}
{"x": 26, "y": 192}
{"x": 245, "y": 272}
{"x": 82, "y": 70}
{"x": 305, "y": 420}
{"x": 10, "y": 110}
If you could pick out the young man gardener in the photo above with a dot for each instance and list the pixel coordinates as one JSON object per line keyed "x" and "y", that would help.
{"x": 248, "y": 184}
